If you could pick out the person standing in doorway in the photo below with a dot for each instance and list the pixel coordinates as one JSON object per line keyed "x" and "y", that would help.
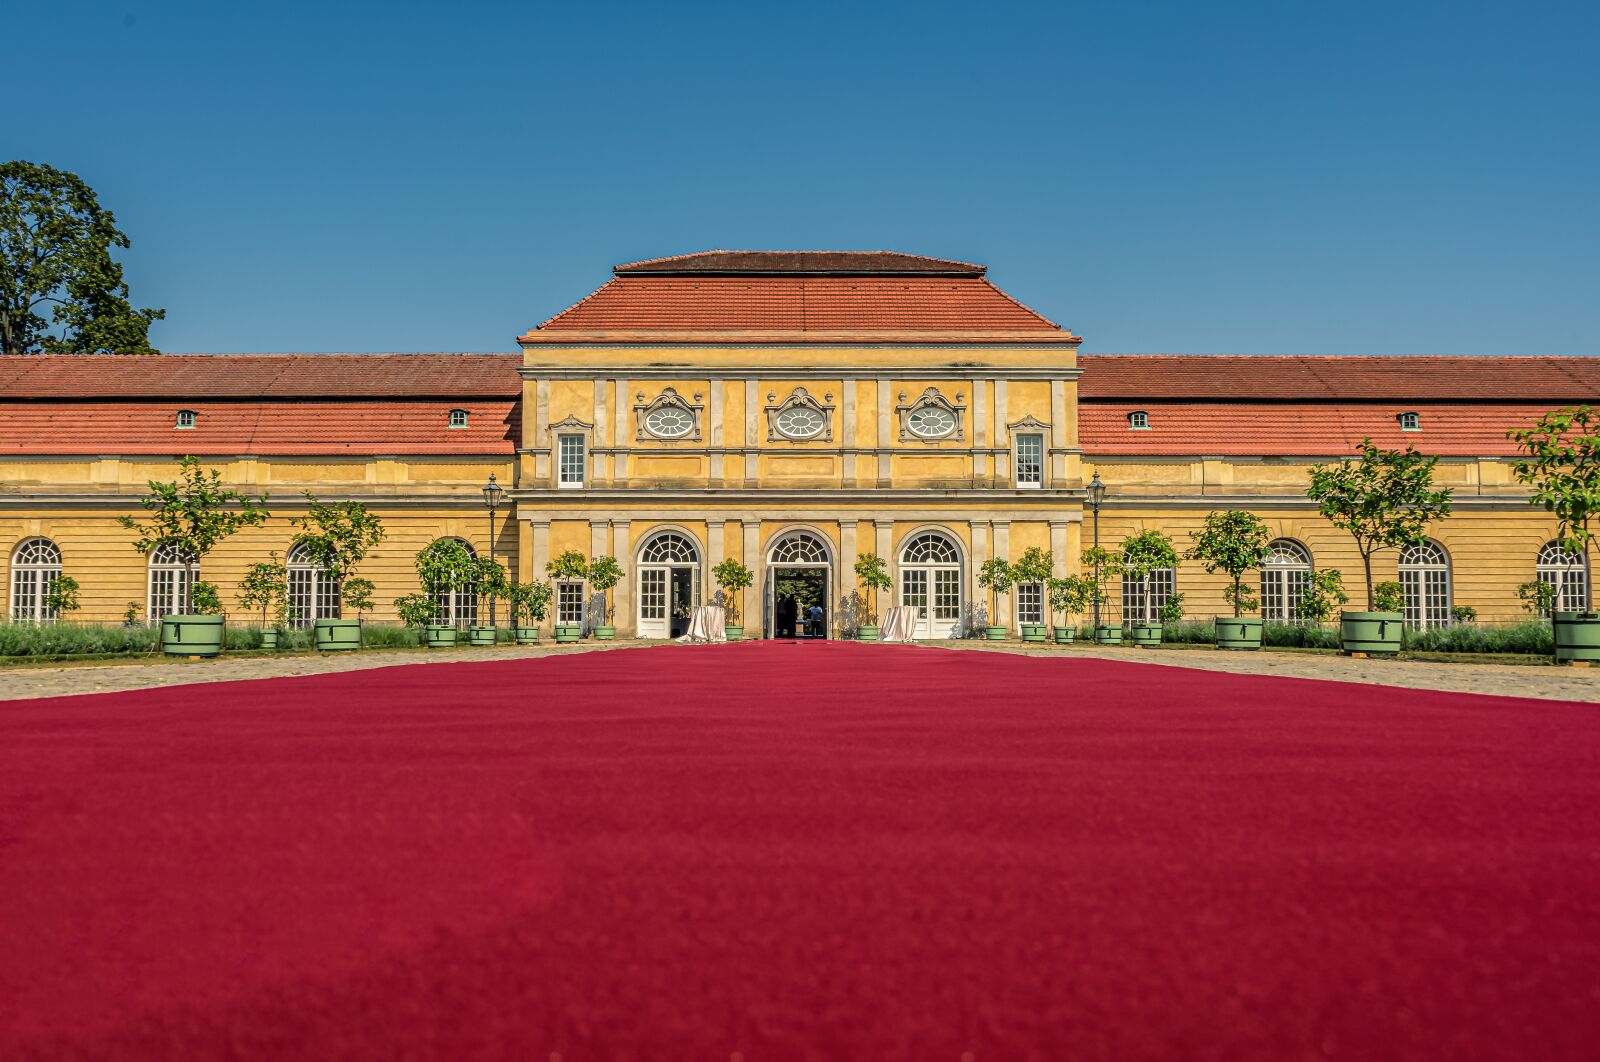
{"x": 816, "y": 621}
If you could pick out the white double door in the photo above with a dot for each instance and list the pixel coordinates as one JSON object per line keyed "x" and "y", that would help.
{"x": 935, "y": 592}
{"x": 667, "y": 595}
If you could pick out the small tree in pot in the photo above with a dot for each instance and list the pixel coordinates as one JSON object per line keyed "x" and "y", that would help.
{"x": 1034, "y": 568}
{"x": 604, "y": 574}
{"x": 336, "y": 538}
{"x": 1562, "y": 472}
{"x": 733, "y": 578}
{"x": 1101, "y": 566}
{"x": 872, "y": 575}
{"x": 995, "y": 577}
{"x": 1234, "y": 542}
{"x": 1070, "y": 596}
{"x": 1385, "y": 499}
{"x": 357, "y": 594}
{"x": 569, "y": 567}
{"x": 445, "y": 566}
{"x": 531, "y": 600}
{"x": 265, "y": 586}
{"x": 1323, "y": 595}
{"x": 1143, "y": 554}
{"x": 490, "y": 580}
{"x": 415, "y": 610}
{"x": 192, "y": 514}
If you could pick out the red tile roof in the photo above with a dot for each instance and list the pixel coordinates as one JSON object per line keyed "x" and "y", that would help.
{"x": 175, "y": 376}
{"x": 1300, "y": 429}
{"x": 857, "y": 263}
{"x": 388, "y": 426}
{"x": 1337, "y": 378}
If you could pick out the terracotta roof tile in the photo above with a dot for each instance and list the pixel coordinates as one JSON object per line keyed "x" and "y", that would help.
{"x": 802, "y": 262}
{"x": 1300, "y": 429}
{"x": 388, "y": 426}
{"x": 1337, "y": 378}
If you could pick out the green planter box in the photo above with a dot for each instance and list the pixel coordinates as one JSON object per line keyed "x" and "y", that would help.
{"x": 1146, "y": 635}
{"x": 995, "y": 634}
{"x": 191, "y": 635}
{"x": 867, "y": 634}
{"x": 480, "y": 636}
{"x": 1066, "y": 635}
{"x": 1033, "y": 632}
{"x": 269, "y": 639}
{"x": 527, "y": 635}
{"x": 338, "y": 635}
{"x": 1370, "y": 632}
{"x": 1238, "y": 632}
{"x": 733, "y": 634}
{"x": 605, "y": 634}
{"x": 1577, "y": 635}
{"x": 1107, "y": 635}
{"x": 568, "y": 632}
{"x": 440, "y": 636}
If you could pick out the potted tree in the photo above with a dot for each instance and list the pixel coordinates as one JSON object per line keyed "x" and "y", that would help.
{"x": 733, "y": 578}
{"x": 357, "y": 594}
{"x": 445, "y": 566}
{"x": 489, "y": 576}
{"x": 1385, "y": 499}
{"x": 62, "y": 596}
{"x": 265, "y": 587}
{"x": 995, "y": 577}
{"x": 1070, "y": 596}
{"x": 1101, "y": 566}
{"x": 1143, "y": 554}
{"x": 337, "y": 538}
{"x": 193, "y": 513}
{"x": 1234, "y": 542}
{"x": 531, "y": 600}
{"x": 1035, "y": 566}
{"x": 604, "y": 574}
{"x": 416, "y": 610}
{"x": 570, "y": 566}
{"x": 1323, "y": 595}
{"x": 1562, "y": 470}
{"x": 872, "y": 575}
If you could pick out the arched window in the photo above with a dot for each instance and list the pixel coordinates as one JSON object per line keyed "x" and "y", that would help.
{"x": 170, "y": 580}
{"x": 35, "y": 567}
{"x": 1143, "y": 599}
{"x": 458, "y": 607}
{"x": 930, "y": 582}
{"x": 799, "y": 547}
{"x": 930, "y": 548}
{"x": 1425, "y": 578}
{"x": 313, "y": 593}
{"x": 1284, "y": 577}
{"x": 1567, "y": 573}
{"x": 669, "y": 547}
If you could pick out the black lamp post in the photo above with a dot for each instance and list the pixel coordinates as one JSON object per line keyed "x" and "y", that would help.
{"x": 1097, "y": 494}
{"x": 491, "y": 498}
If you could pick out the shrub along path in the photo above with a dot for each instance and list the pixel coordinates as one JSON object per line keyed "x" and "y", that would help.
{"x": 782, "y": 851}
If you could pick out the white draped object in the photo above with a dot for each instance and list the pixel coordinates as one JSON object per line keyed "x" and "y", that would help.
{"x": 899, "y": 624}
{"x": 708, "y": 623}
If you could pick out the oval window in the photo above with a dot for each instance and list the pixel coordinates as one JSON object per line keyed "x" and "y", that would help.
{"x": 800, "y": 422}
{"x": 669, "y": 422}
{"x": 931, "y": 422}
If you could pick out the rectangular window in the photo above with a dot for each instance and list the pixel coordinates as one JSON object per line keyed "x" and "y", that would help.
{"x": 1143, "y": 599}
{"x": 569, "y": 604}
{"x": 1030, "y": 460}
{"x": 1030, "y": 603}
{"x": 570, "y": 466}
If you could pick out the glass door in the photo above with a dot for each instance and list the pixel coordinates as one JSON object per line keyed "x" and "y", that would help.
{"x": 653, "y": 603}
{"x": 914, "y": 594}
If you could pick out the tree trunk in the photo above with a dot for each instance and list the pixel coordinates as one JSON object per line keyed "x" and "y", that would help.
{"x": 188, "y": 585}
{"x": 1238, "y": 581}
{"x": 1366, "y": 564}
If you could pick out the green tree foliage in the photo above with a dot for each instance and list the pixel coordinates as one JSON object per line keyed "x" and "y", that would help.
{"x": 1072, "y": 595}
{"x": 1101, "y": 566}
{"x": 1143, "y": 554}
{"x": 1385, "y": 499}
{"x": 1537, "y": 597}
{"x": 604, "y": 574}
{"x": 491, "y": 579}
{"x": 1233, "y": 542}
{"x": 60, "y": 290}
{"x": 205, "y": 600}
{"x": 1389, "y": 597}
{"x": 1171, "y": 610}
{"x": 193, "y": 513}
{"x": 62, "y": 596}
{"x": 529, "y": 599}
{"x": 995, "y": 576}
{"x": 415, "y": 610}
{"x": 337, "y": 537}
{"x": 733, "y": 578}
{"x": 569, "y": 565}
{"x": 265, "y": 586}
{"x": 357, "y": 594}
{"x": 1323, "y": 595}
{"x": 1034, "y": 566}
{"x": 1562, "y": 471}
{"x": 445, "y": 565}
{"x": 872, "y": 575}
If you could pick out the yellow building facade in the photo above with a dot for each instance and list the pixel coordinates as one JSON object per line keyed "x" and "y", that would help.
{"x": 792, "y": 411}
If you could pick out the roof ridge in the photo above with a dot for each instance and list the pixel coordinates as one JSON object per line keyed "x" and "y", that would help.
{"x": 1020, "y": 304}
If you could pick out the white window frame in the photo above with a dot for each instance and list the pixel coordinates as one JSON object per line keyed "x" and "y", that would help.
{"x": 1426, "y": 586}
{"x": 1022, "y": 440}
{"x": 459, "y": 418}
{"x": 1410, "y": 421}
{"x": 1554, "y": 566}
{"x": 1030, "y": 603}
{"x": 1139, "y": 420}
{"x": 35, "y": 567}
{"x": 165, "y": 589}
{"x": 572, "y": 474}
{"x": 311, "y": 589}
{"x": 569, "y": 602}
{"x": 187, "y": 419}
{"x": 1292, "y": 579}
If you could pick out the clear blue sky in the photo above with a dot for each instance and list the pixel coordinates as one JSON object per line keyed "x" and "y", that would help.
{"x": 1280, "y": 177}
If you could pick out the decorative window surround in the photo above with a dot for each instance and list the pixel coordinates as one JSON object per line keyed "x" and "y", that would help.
{"x": 668, "y": 399}
{"x": 786, "y": 419}
{"x": 570, "y": 428}
{"x": 929, "y": 404}
{"x": 1028, "y": 452}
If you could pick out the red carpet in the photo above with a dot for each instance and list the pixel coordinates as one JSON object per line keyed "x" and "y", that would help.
{"x": 798, "y": 852}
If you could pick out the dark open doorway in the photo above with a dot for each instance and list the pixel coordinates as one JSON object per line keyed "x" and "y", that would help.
{"x": 800, "y": 603}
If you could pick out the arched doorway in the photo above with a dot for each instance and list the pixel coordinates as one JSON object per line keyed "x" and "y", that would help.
{"x": 799, "y": 586}
{"x": 669, "y": 584}
{"x": 930, "y": 582}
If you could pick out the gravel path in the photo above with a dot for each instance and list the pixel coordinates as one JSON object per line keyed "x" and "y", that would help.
{"x": 1554, "y": 683}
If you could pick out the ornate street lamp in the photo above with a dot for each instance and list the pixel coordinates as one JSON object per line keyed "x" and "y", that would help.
{"x": 491, "y": 498}
{"x": 1097, "y": 494}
